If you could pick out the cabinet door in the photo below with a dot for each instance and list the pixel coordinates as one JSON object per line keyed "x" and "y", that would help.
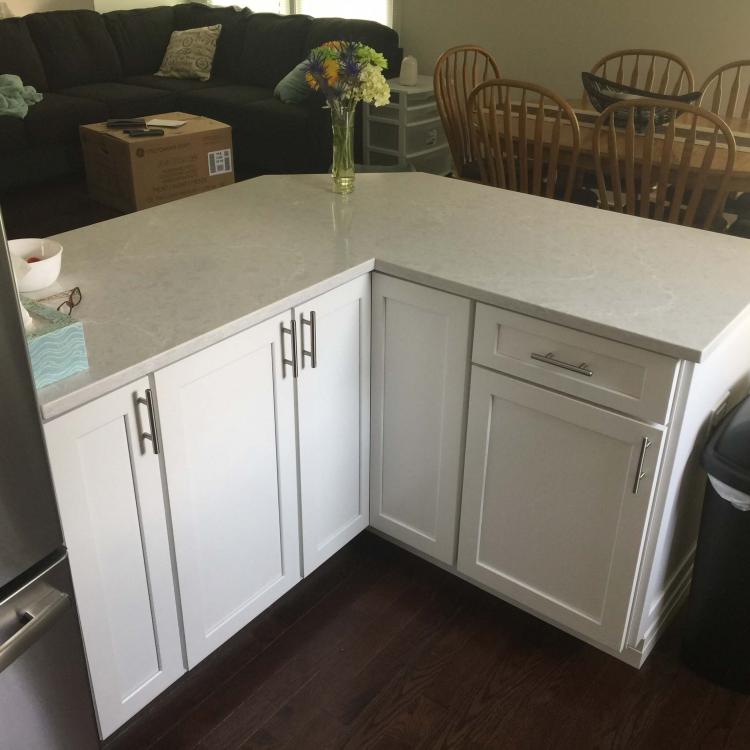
{"x": 113, "y": 514}
{"x": 333, "y": 407}
{"x": 420, "y": 344}
{"x": 552, "y": 515}
{"x": 227, "y": 424}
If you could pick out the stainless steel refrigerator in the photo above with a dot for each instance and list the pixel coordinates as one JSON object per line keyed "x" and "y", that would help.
{"x": 45, "y": 700}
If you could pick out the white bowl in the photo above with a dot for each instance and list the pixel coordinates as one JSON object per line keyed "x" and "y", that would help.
{"x": 42, "y": 273}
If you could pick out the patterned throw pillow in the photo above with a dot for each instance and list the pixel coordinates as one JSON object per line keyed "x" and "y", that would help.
{"x": 190, "y": 54}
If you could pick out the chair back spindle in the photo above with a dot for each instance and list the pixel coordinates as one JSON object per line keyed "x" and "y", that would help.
{"x": 659, "y": 172}
{"x": 726, "y": 91}
{"x": 457, "y": 72}
{"x": 517, "y": 137}
{"x": 655, "y": 71}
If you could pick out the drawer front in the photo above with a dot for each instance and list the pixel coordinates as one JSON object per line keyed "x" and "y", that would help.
{"x": 631, "y": 380}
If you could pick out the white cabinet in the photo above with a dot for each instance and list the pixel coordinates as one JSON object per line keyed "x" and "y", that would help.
{"x": 553, "y": 511}
{"x": 333, "y": 398}
{"x": 111, "y": 502}
{"x": 227, "y": 428}
{"x": 420, "y": 341}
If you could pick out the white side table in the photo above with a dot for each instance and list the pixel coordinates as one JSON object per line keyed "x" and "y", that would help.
{"x": 407, "y": 131}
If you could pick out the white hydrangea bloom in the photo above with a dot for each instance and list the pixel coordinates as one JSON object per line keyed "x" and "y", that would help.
{"x": 373, "y": 88}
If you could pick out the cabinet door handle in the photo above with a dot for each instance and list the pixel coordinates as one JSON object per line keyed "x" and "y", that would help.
{"x": 293, "y": 363}
{"x": 312, "y": 352}
{"x": 549, "y": 358}
{"x": 640, "y": 474}
{"x": 153, "y": 436}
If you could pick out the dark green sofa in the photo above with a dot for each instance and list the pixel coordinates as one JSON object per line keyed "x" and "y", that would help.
{"x": 92, "y": 66}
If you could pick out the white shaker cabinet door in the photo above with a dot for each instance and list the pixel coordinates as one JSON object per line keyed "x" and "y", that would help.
{"x": 420, "y": 344}
{"x": 109, "y": 491}
{"x": 333, "y": 407}
{"x": 227, "y": 424}
{"x": 553, "y": 511}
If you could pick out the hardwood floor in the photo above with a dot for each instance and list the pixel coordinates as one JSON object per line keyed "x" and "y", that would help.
{"x": 378, "y": 649}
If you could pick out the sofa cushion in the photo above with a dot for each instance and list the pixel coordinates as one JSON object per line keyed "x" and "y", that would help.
{"x": 12, "y": 133}
{"x": 176, "y": 85}
{"x": 141, "y": 37}
{"x": 232, "y": 39}
{"x": 125, "y": 100}
{"x": 273, "y": 46}
{"x": 57, "y": 117}
{"x": 75, "y": 48}
{"x": 19, "y": 55}
{"x": 375, "y": 35}
{"x": 225, "y": 104}
{"x": 280, "y": 137}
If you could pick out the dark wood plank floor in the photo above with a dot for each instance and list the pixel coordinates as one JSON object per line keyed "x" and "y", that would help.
{"x": 378, "y": 649}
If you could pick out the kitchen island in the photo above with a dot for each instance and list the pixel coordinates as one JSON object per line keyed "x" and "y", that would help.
{"x": 510, "y": 386}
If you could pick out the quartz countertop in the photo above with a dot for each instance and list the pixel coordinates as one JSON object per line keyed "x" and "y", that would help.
{"x": 163, "y": 283}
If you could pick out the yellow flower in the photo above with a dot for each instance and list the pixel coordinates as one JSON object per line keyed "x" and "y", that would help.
{"x": 331, "y": 68}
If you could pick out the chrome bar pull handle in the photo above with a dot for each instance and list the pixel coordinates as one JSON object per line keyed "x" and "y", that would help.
{"x": 640, "y": 474}
{"x": 549, "y": 358}
{"x": 312, "y": 352}
{"x": 293, "y": 362}
{"x": 153, "y": 436}
{"x": 37, "y": 618}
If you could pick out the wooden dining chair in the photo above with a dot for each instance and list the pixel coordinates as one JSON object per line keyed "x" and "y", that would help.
{"x": 726, "y": 91}
{"x": 651, "y": 70}
{"x": 457, "y": 71}
{"x": 678, "y": 173}
{"x": 518, "y": 132}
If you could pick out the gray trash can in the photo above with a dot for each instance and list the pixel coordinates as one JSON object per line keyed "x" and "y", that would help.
{"x": 717, "y": 632}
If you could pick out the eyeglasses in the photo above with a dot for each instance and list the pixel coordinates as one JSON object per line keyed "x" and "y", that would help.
{"x": 70, "y": 299}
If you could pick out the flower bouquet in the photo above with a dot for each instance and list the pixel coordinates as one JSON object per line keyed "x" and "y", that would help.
{"x": 346, "y": 73}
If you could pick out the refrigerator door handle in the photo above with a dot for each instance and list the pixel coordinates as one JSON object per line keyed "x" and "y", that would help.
{"x": 39, "y": 617}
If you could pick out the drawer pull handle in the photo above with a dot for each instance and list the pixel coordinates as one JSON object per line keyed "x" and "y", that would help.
{"x": 293, "y": 362}
{"x": 312, "y": 352}
{"x": 549, "y": 358}
{"x": 153, "y": 436}
{"x": 640, "y": 474}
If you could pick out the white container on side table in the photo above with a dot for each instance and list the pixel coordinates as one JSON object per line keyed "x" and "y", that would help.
{"x": 407, "y": 130}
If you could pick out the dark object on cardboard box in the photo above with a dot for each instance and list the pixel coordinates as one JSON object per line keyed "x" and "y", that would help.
{"x": 144, "y": 132}
{"x": 92, "y": 67}
{"x": 128, "y": 122}
{"x": 602, "y": 93}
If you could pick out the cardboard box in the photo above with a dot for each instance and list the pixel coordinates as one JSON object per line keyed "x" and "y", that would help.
{"x": 134, "y": 173}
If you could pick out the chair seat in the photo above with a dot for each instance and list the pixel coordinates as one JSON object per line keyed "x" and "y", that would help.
{"x": 126, "y": 100}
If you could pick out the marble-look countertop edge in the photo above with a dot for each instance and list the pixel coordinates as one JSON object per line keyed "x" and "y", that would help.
{"x": 86, "y": 393}
{"x": 547, "y": 315}
{"x": 91, "y": 391}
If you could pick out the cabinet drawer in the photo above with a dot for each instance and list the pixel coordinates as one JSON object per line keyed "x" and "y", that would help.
{"x": 420, "y": 136}
{"x": 621, "y": 377}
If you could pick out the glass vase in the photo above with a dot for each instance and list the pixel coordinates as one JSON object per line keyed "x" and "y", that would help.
{"x": 342, "y": 166}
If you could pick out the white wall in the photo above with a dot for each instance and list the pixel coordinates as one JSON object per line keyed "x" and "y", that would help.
{"x": 551, "y": 41}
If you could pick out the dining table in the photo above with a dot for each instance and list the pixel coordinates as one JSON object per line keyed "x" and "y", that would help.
{"x": 739, "y": 180}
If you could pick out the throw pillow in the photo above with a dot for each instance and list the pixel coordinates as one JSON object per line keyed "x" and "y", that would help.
{"x": 190, "y": 53}
{"x": 293, "y": 87}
